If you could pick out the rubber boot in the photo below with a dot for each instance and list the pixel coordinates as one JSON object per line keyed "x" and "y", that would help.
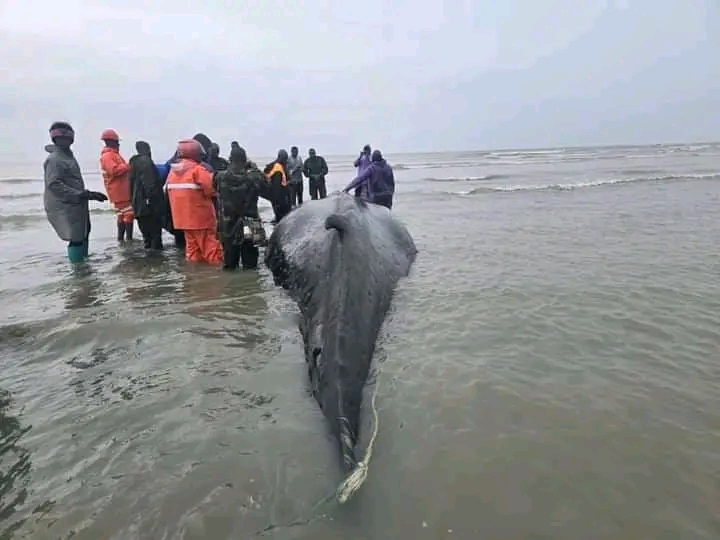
{"x": 76, "y": 254}
{"x": 129, "y": 231}
{"x": 120, "y": 232}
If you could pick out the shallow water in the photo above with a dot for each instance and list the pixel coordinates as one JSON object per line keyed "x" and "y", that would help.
{"x": 551, "y": 369}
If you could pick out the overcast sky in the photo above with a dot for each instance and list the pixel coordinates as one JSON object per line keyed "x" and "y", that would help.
{"x": 401, "y": 75}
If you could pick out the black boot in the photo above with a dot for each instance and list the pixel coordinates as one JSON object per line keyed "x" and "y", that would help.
{"x": 121, "y": 232}
{"x": 156, "y": 243}
{"x": 129, "y": 231}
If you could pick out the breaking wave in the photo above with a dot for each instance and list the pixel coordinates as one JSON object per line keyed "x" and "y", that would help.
{"x": 19, "y": 180}
{"x": 470, "y": 178}
{"x": 13, "y": 196}
{"x": 591, "y": 184}
{"x": 18, "y": 222}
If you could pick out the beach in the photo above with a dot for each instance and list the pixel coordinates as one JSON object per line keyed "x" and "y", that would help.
{"x": 550, "y": 369}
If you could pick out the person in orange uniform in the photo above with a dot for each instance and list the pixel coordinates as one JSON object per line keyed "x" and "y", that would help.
{"x": 190, "y": 191}
{"x": 115, "y": 172}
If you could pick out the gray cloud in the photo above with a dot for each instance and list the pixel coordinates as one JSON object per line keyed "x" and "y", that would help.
{"x": 335, "y": 75}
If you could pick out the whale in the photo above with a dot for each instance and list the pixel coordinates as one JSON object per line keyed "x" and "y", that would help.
{"x": 339, "y": 259}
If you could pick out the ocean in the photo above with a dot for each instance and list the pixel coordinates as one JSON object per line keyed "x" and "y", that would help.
{"x": 551, "y": 368}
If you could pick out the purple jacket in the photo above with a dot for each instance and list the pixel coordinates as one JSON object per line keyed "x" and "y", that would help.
{"x": 376, "y": 182}
{"x": 362, "y": 163}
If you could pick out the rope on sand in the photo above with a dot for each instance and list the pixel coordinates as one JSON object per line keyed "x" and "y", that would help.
{"x": 357, "y": 478}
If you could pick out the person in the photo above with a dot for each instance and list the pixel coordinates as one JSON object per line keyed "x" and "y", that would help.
{"x": 362, "y": 163}
{"x": 190, "y": 191}
{"x": 65, "y": 196}
{"x": 241, "y": 229}
{"x": 295, "y": 172}
{"x": 205, "y": 143}
{"x": 234, "y": 145}
{"x": 148, "y": 203}
{"x": 376, "y": 183}
{"x": 276, "y": 174}
{"x": 115, "y": 173}
{"x": 315, "y": 168}
{"x": 214, "y": 160}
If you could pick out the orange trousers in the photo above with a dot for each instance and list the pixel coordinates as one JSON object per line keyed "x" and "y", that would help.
{"x": 124, "y": 212}
{"x": 203, "y": 246}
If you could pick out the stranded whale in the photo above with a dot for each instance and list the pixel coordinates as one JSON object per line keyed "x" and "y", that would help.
{"x": 340, "y": 259}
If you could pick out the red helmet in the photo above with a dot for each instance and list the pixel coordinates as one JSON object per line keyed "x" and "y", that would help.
{"x": 189, "y": 149}
{"x": 109, "y": 135}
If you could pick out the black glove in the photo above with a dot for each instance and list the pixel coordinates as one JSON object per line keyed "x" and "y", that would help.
{"x": 94, "y": 196}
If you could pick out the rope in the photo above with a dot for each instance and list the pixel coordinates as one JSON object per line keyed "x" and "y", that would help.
{"x": 357, "y": 478}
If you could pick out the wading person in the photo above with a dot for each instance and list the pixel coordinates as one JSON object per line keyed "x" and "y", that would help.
{"x": 148, "y": 201}
{"x": 115, "y": 173}
{"x": 241, "y": 229}
{"x": 295, "y": 174}
{"x": 315, "y": 168}
{"x": 276, "y": 174}
{"x": 190, "y": 191}
{"x": 362, "y": 163}
{"x": 217, "y": 162}
{"x": 65, "y": 196}
{"x": 377, "y": 183}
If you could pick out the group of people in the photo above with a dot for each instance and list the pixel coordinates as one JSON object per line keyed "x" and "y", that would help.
{"x": 209, "y": 204}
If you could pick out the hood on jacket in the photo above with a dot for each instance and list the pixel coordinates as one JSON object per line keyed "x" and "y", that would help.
{"x": 143, "y": 148}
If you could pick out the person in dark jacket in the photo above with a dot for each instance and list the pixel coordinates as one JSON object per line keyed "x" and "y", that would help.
{"x": 206, "y": 143}
{"x": 241, "y": 230}
{"x": 148, "y": 201}
{"x": 315, "y": 169}
{"x": 216, "y": 162}
{"x": 65, "y": 196}
{"x": 277, "y": 175}
{"x": 376, "y": 183}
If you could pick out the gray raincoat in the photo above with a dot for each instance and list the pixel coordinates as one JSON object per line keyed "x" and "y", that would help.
{"x": 67, "y": 210}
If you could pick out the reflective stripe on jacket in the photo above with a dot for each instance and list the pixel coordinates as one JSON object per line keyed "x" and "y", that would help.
{"x": 277, "y": 168}
{"x": 190, "y": 191}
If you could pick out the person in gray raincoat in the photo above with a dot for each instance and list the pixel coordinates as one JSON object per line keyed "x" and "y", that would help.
{"x": 66, "y": 199}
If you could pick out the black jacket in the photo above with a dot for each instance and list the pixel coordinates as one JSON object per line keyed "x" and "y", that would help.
{"x": 315, "y": 167}
{"x": 146, "y": 187}
{"x": 238, "y": 189}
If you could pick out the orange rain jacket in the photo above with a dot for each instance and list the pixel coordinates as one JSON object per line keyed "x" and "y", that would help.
{"x": 115, "y": 172}
{"x": 190, "y": 190}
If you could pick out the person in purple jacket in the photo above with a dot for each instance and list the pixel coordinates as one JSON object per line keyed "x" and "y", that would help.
{"x": 362, "y": 163}
{"x": 376, "y": 183}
